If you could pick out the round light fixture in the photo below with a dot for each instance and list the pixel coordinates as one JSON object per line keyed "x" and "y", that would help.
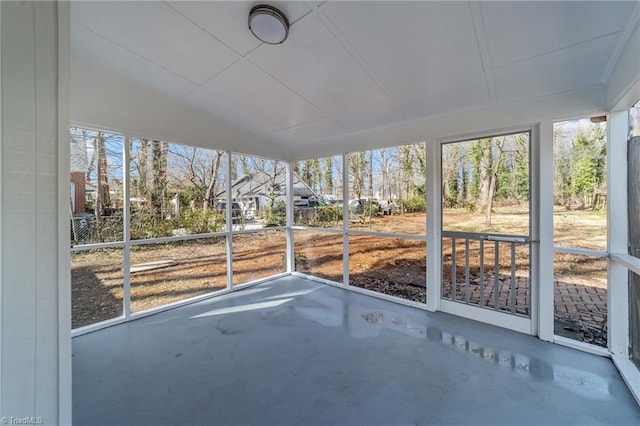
{"x": 268, "y": 24}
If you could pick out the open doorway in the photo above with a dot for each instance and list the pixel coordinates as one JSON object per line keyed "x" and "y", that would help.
{"x": 486, "y": 229}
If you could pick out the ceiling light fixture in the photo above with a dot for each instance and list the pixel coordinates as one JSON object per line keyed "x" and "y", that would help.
{"x": 268, "y": 24}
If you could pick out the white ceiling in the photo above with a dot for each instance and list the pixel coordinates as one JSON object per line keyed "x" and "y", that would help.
{"x": 349, "y": 67}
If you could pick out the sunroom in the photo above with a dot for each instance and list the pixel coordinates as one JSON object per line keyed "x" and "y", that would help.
{"x": 320, "y": 212}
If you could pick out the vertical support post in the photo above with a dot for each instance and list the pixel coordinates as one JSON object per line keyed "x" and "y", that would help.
{"x": 535, "y": 189}
{"x": 618, "y": 231}
{"x": 291, "y": 259}
{"x": 126, "y": 232}
{"x": 434, "y": 224}
{"x": 426, "y": 224}
{"x": 482, "y": 272}
{"x": 542, "y": 289}
{"x": 345, "y": 219}
{"x": 454, "y": 272}
{"x": 512, "y": 292}
{"x": 496, "y": 278}
{"x": 228, "y": 222}
{"x": 64, "y": 256}
{"x": 466, "y": 271}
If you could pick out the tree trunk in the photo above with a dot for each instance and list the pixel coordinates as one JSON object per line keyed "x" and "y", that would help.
{"x": 328, "y": 175}
{"x": 142, "y": 168}
{"x": 103, "y": 175}
{"x": 484, "y": 172}
{"x": 634, "y": 245}
{"x": 233, "y": 173}
{"x": 246, "y": 170}
{"x": 489, "y": 207}
{"x": 317, "y": 177}
{"x": 159, "y": 163}
{"x": 356, "y": 161}
{"x": 215, "y": 166}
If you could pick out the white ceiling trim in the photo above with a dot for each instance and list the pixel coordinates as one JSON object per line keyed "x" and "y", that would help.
{"x": 483, "y": 47}
{"x": 622, "y": 43}
{"x": 486, "y": 119}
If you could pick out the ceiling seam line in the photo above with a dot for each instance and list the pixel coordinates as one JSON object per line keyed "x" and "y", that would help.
{"x": 483, "y": 48}
{"x": 139, "y": 55}
{"x": 201, "y": 28}
{"x": 628, "y": 31}
{"x": 298, "y": 94}
{"x": 202, "y": 86}
{"x": 241, "y": 108}
{"x": 550, "y": 52}
{"x": 362, "y": 63}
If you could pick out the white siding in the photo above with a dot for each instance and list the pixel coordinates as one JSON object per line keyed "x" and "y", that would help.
{"x": 29, "y": 225}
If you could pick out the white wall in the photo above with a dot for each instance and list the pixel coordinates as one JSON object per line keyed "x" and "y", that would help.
{"x": 30, "y": 257}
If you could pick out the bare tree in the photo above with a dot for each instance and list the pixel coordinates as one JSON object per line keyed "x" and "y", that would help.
{"x": 488, "y": 154}
{"x": 141, "y": 165}
{"x": 271, "y": 169}
{"x": 159, "y": 152}
{"x": 357, "y": 164}
{"x": 103, "y": 197}
{"x": 328, "y": 175}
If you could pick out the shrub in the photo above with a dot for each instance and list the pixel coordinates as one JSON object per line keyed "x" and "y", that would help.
{"x": 329, "y": 214}
{"x": 304, "y": 216}
{"x": 146, "y": 225}
{"x": 413, "y": 205}
{"x": 200, "y": 221}
{"x": 275, "y": 217}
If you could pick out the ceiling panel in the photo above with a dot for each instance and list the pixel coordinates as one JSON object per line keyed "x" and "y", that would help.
{"x": 204, "y": 99}
{"x": 286, "y": 138}
{"x": 314, "y": 64}
{"x": 449, "y": 95}
{"x": 95, "y": 48}
{"x": 228, "y": 21}
{"x": 155, "y": 31}
{"x": 520, "y": 30}
{"x": 350, "y": 66}
{"x": 245, "y": 84}
{"x": 426, "y": 53}
{"x": 318, "y": 130}
{"x": 562, "y": 70}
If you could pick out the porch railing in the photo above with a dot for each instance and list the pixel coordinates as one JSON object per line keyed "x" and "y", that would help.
{"x": 491, "y": 271}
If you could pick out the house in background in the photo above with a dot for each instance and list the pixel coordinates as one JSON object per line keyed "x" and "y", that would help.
{"x": 264, "y": 189}
{"x": 79, "y": 168}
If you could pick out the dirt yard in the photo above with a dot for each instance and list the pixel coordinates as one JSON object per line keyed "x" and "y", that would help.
{"x": 164, "y": 273}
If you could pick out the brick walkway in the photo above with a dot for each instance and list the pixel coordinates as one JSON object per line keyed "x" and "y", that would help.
{"x": 580, "y": 312}
{"x": 580, "y": 303}
{"x": 586, "y": 303}
{"x": 506, "y": 298}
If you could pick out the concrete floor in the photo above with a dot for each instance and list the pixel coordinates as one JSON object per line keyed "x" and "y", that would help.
{"x": 295, "y": 352}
